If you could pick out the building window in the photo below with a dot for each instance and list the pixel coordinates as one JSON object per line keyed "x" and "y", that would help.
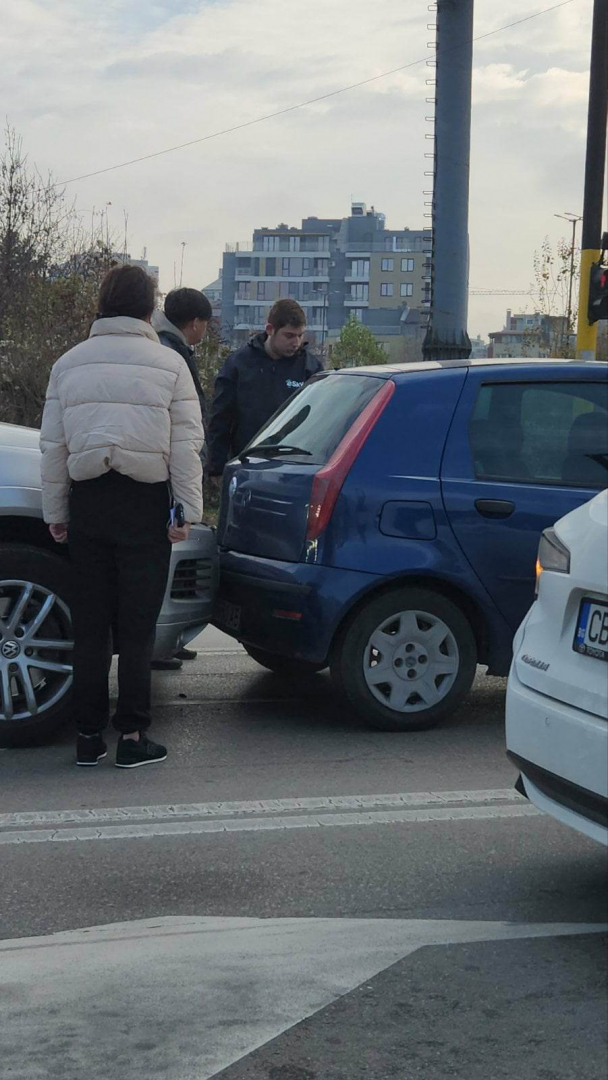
{"x": 407, "y": 289}
{"x": 285, "y": 267}
{"x": 271, "y": 243}
{"x": 386, "y": 288}
{"x": 407, "y": 265}
{"x": 359, "y": 268}
{"x": 358, "y": 313}
{"x": 305, "y": 267}
{"x": 388, "y": 265}
{"x": 267, "y": 290}
{"x": 294, "y": 243}
{"x": 359, "y": 292}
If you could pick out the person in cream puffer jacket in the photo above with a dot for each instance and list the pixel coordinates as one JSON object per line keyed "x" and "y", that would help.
{"x": 121, "y": 401}
{"x": 121, "y": 434}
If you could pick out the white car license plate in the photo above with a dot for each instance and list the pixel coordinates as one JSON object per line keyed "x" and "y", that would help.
{"x": 591, "y": 637}
{"x": 228, "y": 614}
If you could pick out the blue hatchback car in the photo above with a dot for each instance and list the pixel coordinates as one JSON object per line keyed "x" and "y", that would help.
{"x": 385, "y": 522}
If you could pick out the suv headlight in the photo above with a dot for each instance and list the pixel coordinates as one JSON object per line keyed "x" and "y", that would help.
{"x": 552, "y": 555}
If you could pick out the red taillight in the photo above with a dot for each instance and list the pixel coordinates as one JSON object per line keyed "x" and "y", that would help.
{"x": 328, "y": 482}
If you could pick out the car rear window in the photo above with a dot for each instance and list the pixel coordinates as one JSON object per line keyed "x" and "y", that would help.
{"x": 317, "y": 418}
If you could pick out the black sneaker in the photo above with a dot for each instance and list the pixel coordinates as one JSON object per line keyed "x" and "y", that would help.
{"x": 90, "y": 749}
{"x": 169, "y": 663}
{"x": 130, "y": 754}
{"x": 186, "y": 654}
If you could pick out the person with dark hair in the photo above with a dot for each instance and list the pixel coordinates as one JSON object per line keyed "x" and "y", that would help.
{"x": 181, "y": 326}
{"x": 121, "y": 437}
{"x": 256, "y": 380}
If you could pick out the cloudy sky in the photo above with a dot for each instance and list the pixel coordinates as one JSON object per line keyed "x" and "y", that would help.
{"x": 90, "y": 85}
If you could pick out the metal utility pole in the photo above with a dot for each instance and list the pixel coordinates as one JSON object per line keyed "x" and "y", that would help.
{"x": 447, "y": 337}
{"x": 597, "y": 119}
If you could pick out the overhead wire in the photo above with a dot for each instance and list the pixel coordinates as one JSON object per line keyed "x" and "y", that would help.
{"x": 304, "y": 104}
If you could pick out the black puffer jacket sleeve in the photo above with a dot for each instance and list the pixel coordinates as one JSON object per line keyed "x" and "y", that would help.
{"x": 222, "y": 418}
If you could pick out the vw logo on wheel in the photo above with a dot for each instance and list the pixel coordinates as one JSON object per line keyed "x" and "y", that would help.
{"x": 11, "y": 649}
{"x": 232, "y": 487}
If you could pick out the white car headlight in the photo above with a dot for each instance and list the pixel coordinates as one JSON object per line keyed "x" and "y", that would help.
{"x": 552, "y": 555}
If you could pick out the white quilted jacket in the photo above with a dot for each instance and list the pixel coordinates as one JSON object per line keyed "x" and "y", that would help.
{"x": 122, "y": 401}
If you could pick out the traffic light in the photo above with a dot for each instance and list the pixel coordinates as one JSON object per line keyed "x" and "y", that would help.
{"x": 598, "y": 293}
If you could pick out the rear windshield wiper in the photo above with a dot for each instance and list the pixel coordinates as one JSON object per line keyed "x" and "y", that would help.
{"x": 273, "y": 450}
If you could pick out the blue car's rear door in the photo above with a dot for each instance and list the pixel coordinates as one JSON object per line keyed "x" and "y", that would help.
{"x": 528, "y": 443}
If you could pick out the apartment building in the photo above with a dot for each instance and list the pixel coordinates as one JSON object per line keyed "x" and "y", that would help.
{"x": 532, "y": 335}
{"x": 334, "y": 268}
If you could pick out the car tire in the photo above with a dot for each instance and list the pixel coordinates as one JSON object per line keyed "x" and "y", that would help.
{"x": 422, "y": 643}
{"x": 283, "y": 665}
{"x": 34, "y": 608}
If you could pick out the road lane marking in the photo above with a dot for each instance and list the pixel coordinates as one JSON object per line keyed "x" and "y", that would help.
{"x": 255, "y": 824}
{"x": 257, "y": 807}
{"x": 209, "y": 990}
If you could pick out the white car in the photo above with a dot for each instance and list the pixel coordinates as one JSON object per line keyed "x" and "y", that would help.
{"x": 557, "y": 697}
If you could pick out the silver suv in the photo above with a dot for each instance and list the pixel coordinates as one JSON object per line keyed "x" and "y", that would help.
{"x": 35, "y": 625}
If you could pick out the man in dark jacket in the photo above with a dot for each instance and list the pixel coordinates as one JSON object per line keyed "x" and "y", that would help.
{"x": 181, "y": 326}
{"x": 255, "y": 381}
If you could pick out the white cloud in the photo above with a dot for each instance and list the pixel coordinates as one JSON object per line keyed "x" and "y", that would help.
{"x": 90, "y": 85}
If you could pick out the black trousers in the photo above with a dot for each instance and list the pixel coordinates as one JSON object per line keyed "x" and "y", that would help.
{"x": 119, "y": 556}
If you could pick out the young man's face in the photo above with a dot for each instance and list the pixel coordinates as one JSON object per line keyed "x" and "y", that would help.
{"x": 286, "y": 341}
{"x": 195, "y": 331}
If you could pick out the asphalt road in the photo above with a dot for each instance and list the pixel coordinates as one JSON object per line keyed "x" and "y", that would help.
{"x": 291, "y": 896}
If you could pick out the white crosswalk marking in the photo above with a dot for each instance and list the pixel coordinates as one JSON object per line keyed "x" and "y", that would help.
{"x": 199, "y": 993}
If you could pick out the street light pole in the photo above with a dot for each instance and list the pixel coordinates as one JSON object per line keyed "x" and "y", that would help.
{"x": 574, "y": 220}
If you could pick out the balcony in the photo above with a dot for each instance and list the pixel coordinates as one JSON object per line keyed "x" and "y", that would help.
{"x": 314, "y": 300}
{"x": 246, "y": 275}
{"x": 413, "y": 244}
{"x": 308, "y": 246}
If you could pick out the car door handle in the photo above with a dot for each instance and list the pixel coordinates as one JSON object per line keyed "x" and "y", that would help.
{"x": 494, "y": 508}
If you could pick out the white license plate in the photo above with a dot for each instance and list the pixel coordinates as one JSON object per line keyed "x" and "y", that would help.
{"x": 591, "y": 637}
{"x": 227, "y": 614}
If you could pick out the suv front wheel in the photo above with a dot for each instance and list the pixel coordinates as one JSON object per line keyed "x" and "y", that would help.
{"x": 405, "y": 660}
{"x": 35, "y": 644}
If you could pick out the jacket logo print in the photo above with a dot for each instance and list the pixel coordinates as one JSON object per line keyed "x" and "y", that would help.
{"x": 293, "y": 384}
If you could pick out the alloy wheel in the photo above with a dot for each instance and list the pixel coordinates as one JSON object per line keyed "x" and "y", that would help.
{"x": 35, "y": 649}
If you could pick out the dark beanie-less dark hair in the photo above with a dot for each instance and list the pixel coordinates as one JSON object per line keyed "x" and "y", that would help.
{"x": 184, "y": 305}
{"x": 126, "y": 290}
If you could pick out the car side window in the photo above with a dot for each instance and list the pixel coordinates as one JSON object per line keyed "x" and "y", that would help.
{"x": 541, "y": 433}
